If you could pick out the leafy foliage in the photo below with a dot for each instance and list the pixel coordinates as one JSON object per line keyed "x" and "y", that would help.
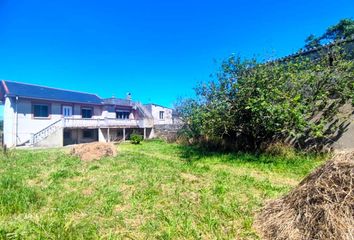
{"x": 344, "y": 29}
{"x": 136, "y": 138}
{"x": 251, "y": 104}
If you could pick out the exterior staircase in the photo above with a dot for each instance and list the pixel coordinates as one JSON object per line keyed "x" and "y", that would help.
{"x": 146, "y": 122}
{"x": 45, "y": 132}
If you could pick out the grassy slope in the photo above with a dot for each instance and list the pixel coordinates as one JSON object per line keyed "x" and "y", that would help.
{"x": 150, "y": 191}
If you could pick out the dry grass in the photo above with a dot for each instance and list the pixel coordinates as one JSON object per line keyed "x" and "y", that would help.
{"x": 321, "y": 207}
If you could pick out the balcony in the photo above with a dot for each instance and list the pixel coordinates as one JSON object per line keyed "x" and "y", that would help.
{"x": 105, "y": 123}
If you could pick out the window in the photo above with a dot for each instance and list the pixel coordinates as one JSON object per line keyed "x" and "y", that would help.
{"x": 87, "y": 133}
{"x": 86, "y": 113}
{"x": 161, "y": 115}
{"x": 40, "y": 110}
{"x": 122, "y": 114}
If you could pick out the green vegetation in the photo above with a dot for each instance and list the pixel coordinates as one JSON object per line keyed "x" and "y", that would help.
{"x": 136, "y": 138}
{"x": 344, "y": 29}
{"x": 252, "y": 104}
{"x": 153, "y": 190}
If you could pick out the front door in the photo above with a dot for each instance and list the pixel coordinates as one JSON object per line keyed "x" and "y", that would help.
{"x": 67, "y": 111}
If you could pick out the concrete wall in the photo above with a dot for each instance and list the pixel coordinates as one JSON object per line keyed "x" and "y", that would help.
{"x": 27, "y": 124}
{"x": 346, "y": 141}
{"x": 53, "y": 140}
{"x": 343, "y": 138}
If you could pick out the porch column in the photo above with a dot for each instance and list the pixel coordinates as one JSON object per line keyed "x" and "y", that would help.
{"x": 123, "y": 134}
{"x": 108, "y": 135}
{"x": 144, "y": 133}
{"x": 101, "y": 137}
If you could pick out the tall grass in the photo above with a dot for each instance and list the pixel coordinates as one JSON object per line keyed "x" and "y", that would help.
{"x": 149, "y": 191}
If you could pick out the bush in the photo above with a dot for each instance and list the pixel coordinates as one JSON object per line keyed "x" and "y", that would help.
{"x": 280, "y": 149}
{"x": 136, "y": 138}
{"x": 250, "y": 103}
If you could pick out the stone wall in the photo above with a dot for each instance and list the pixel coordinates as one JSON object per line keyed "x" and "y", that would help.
{"x": 167, "y": 131}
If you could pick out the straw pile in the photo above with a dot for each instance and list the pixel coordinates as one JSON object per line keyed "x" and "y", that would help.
{"x": 93, "y": 151}
{"x": 321, "y": 207}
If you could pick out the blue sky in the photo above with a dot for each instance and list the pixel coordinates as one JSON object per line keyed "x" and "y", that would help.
{"x": 157, "y": 50}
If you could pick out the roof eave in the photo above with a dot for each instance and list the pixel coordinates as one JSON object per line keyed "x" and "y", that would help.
{"x": 52, "y": 100}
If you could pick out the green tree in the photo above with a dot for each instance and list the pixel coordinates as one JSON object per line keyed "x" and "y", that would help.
{"x": 312, "y": 42}
{"x": 344, "y": 29}
{"x": 252, "y": 104}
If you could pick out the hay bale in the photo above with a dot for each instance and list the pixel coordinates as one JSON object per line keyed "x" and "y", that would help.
{"x": 321, "y": 207}
{"x": 93, "y": 151}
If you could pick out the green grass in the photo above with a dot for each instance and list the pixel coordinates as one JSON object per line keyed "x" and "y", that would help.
{"x": 153, "y": 190}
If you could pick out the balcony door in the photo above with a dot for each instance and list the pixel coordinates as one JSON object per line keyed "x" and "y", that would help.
{"x": 67, "y": 111}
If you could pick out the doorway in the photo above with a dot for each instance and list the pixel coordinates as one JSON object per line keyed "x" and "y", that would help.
{"x": 67, "y": 111}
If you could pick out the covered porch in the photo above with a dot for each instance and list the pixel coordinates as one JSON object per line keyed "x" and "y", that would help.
{"x": 79, "y": 135}
{"x": 114, "y": 134}
{"x": 122, "y": 134}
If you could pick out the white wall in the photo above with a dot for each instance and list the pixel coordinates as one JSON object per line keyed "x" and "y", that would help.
{"x": 27, "y": 124}
{"x": 155, "y": 111}
{"x": 53, "y": 140}
{"x": 9, "y": 123}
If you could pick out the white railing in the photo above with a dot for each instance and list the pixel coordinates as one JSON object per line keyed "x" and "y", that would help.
{"x": 98, "y": 123}
{"x": 88, "y": 123}
{"x": 45, "y": 132}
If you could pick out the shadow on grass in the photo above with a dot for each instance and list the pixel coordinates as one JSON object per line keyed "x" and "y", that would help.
{"x": 192, "y": 154}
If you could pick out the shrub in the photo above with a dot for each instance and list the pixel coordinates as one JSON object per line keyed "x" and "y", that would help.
{"x": 136, "y": 138}
{"x": 250, "y": 103}
{"x": 280, "y": 149}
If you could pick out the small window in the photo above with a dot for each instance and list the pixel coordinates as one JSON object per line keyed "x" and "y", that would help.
{"x": 161, "y": 115}
{"x": 86, "y": 113}
{"x": 122, "y": 114}
{"x": 87, "y": 134}
{"x": 40, "y": 110}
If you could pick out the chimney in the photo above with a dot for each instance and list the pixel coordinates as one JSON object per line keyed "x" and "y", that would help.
{"x": 129, "y": 96}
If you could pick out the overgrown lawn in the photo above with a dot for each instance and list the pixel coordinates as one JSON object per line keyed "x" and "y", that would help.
{"x": 153, "y": 190}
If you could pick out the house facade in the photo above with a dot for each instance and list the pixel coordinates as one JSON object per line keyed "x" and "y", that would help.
{"x": 49, "y": 117}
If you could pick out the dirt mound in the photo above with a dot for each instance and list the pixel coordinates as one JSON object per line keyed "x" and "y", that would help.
{"x": 321, "y": 207}
{"x": 93, "y": 151}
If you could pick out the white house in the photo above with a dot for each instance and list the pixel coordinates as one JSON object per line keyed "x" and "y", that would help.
{"x": 44, "y": 116}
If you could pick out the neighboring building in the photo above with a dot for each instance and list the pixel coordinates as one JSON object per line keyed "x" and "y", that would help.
{"x": 161, "y": 114}
{"x": 43, "y": 116}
